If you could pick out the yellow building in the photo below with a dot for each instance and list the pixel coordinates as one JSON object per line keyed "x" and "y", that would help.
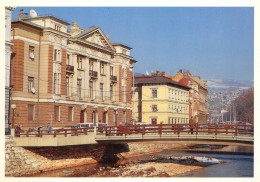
{"x": 158, "y": 99}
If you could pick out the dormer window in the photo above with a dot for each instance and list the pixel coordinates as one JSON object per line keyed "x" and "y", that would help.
{"x": 31, "y": 52}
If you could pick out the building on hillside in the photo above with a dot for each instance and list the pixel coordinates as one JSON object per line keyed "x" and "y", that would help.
{"x": 68, "y": 77}
{"x": 8, "y": 56}
{"x": 200, "y": 93}
{"x": 158, "y": 99}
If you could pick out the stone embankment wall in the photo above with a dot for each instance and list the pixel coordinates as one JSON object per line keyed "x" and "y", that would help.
{"x": 20, "y": 161}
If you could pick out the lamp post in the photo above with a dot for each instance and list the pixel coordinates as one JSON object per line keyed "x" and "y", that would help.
{"x": 13, "y": 106}
{"x": 191, "y": 99}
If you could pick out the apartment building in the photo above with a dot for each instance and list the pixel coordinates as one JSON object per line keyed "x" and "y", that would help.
{"x": 68, "y": 77}
{"x": 158, "y": 99}
{"x": 199, "y": 94}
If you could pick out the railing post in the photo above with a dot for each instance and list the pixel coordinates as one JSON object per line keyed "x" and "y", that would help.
{"x": 65, "y": 133}
{"x": 85, "y": 131}
{"x": 143, "y": 130}
{"x": 244, "y": 129}
{"x": 27, "y": 133}
{"x": 41, "y": 133}
{"x": 197, "y": 128}
{"x": 209, "y": 128}
{"x": 216, "y": 129}
{"x": 179, "y": 131}
{"x": 55, "y": 133}
{"x": 236, "y": 130}
{"x": 226, "y": 129}
{"x": 160, "y": 129}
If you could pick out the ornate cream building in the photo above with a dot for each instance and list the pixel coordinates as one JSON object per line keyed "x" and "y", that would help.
{"x": 71, "y": 76}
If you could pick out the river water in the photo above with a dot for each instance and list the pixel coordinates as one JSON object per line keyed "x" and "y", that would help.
{"x": 236, "y": 165}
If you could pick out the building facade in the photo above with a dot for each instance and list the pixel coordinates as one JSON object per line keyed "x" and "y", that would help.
{"x": 158, "y": 99}
{"x": 198, "y": 94}
{"x": 67, "y": 77}
{"x": 8, "y": 55}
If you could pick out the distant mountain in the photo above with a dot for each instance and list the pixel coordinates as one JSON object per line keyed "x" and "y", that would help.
{"x": 215, "y": 85}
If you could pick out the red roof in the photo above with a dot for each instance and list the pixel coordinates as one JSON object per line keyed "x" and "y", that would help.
{"x": 185, "y": 81}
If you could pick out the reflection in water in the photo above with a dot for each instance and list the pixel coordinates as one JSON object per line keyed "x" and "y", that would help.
{"x": 235, "y": 166}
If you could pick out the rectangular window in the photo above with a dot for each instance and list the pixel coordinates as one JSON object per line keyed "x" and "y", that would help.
{"x": 30, "y": 84}
{"x": 169, "y": 108}
{"x": 154, "y": 108}
{"x": 79, "y": 88}
{"x": 70, "y": 114}
{"x": 102, "y": 68}
{"x": 169, "y": 93}
{"x": 123, "y": 72}
{"x": 111, "y": 70}
{"x": 154, "y": 92}
{"x": 111, "y": 92}
{"x": 31, "y": 52}
{"x": 91, "y": 65}
{"x": 79, "y": 62}
{"x": 91, "y": 90}
{"x": 57, "y": 55}
{"x": 124, "y": 51}
{"x": 124, "y": 93}
{"x": 68, "y": 59}
{"x": 101, "y": 91}
{"x": 57, "y": 113}
{"x": 124, "y": 116}
{"x": 67, "y": 86}
{"x": 56, "y": 83}
{"x": 172, "y": 94}
{"x": 30, "y": 112}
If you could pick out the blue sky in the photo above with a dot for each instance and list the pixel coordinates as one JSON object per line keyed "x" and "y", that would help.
{"x": 211, "y": 42}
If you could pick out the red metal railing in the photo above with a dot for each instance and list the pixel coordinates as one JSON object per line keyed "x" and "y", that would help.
{"x": 160, "y": 129}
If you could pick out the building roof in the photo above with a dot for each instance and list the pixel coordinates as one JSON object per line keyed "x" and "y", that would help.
{"x": 122, "y": 45}
{"x": 28, "y": 23}
{"x": 88, "y": 30}
{"x": 157, "y": 80}
{"x": 48, "y": 16}
{"x": 185, "y": 81}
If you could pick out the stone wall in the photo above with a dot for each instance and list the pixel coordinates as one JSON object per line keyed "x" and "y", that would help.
{"x": 20, "y": 161}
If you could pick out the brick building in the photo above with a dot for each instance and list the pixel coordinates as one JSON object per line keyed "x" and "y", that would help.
{"x": 68, "y": 77}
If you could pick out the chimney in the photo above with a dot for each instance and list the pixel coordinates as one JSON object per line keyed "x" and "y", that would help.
{"x": 180, "y": 70}
{"x": 163, "y": 73}
{"x": 21, "y": 16}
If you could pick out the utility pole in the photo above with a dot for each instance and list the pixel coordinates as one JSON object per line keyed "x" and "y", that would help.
{"x": 133, "y": 95}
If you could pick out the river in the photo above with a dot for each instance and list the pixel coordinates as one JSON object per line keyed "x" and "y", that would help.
{"x": 239, "y": 163}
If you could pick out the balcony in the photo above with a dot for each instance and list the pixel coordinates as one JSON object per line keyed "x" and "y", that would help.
{"x": 70, "y": 69}
{"x": 113, "y": 78}
{"x": 93, "y": 74}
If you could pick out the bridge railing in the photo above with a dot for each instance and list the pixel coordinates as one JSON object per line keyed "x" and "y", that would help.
{"x": 160, "y": 129}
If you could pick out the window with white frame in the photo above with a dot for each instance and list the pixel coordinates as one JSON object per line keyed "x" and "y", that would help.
{"x": 79, "y": 87}
{"x": 57, "y": 55}
{"x": 169, "y": 108}
{"x": 79, "y": 62}
{"x": 102, "y": 68}
{"x": 31, "y": 52}
{"x": 154, "y": 108}
{"x": 154, "y": 92}
{"x": 30, "y": 84}
{"x": 56, "y": 83}
{"x": 169, "y": 93}
{"x": 172, "y": 94}
{"x": 102, "y": 91}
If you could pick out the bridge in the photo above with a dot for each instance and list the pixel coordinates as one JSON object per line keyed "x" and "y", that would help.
{"x": 136, "y": 133}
